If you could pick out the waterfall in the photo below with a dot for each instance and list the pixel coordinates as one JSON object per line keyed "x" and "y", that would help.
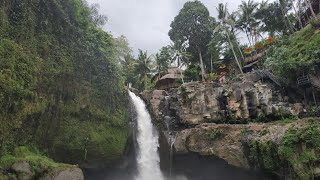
{"x": 147, "y": 156}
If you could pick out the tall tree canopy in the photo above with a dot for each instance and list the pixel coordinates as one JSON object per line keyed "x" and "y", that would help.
{"x": 192, "y": 27}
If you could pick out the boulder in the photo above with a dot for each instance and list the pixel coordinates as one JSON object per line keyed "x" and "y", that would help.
{"x": 64, "y": 174}
{"x": 23, "y": 169}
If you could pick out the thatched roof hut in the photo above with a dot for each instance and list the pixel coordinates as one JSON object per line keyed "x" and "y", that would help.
{"x": 169, "y": 80}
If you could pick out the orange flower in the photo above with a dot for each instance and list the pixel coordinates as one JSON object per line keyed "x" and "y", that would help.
{"x": 270, "y": 40}
{"x": 259, "y": 46}
{"x": 248, "y": 50}
{"x": 222, "y": 66}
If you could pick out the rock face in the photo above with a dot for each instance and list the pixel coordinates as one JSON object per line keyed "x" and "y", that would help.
{"x": 211, "y": 119}
{"x": 249, "y": 98}
{"x": 227, "y": 141}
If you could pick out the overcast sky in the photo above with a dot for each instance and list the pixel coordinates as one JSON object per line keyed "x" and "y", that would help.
{"x": 146, "y": 23}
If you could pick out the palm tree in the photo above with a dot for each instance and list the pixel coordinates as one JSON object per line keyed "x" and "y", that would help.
{"x": 179, "y": 55}
{"x": 247, "y": 21}
{"x": 224, "y": 24}
{"x": 143, "y": 67}
{"x": 285, "y": 6}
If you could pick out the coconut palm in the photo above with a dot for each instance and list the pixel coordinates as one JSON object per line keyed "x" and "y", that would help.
{"x": 247, "y": 21}
{"x": 224, "y": 24}
{"x": 286, "y": 5}
{"x": 180, "y": 56}
{"x": 143, "y": 67}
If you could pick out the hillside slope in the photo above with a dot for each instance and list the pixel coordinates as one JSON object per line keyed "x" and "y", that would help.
{"x": 60, "y": 85}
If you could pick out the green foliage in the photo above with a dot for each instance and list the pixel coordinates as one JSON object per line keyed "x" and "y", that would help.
{"x": 245, "y": 131}
{"x": 215, "y": 134}
{"x": 195, "y": 16}
{"x": 192, "y": 26}
{"x": 192, "y": 73}
{"x": 313, "y": 111}
{"x": 298, "y": 148}
{"x": 143, "y": 69}
{"x": 57, "y": 67}
{"x": 185, "y": 95}
{"x": 272, "y": 18}
{"x": 264, "y": 156}
{"x": 91, "y": 140}
{"x": 297, "y": 54}
{"x": 295, "y": 156}
{"x": 163, "y": 59}
{"x": 315, "y": 22}
{"x": 40, "y": 164}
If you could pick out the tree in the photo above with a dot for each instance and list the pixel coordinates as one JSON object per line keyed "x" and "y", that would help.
{"x": 309, "y": 5}
{"x": 271, "y": 18}
{"x": 143, "y": 67}
{"x": 97, "y": 18}
{"x": 163, "y": 59}
{"x": 192, "y": 27}
{"x": 286, "y": 6}
{"x": 247, "y": 21}
{"x": 214, "y": 49}
{"x": 224, "y": 25}
{"x": 122, "y": 48}
{"x": 179, "y": 55}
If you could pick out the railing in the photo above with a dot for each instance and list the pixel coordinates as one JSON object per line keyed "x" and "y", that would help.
{"x": 304, "y": 80}
{"x": 268, "y": 74}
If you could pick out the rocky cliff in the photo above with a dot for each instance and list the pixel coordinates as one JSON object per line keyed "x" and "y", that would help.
{"x": 249, "y": 123}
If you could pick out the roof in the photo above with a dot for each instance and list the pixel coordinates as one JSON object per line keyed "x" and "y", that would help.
{"x": 170, "y": 71}
{"x": 174, "y": 70}
{"x": 170, "y": 76}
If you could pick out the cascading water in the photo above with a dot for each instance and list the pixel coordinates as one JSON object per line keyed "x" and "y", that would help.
{"x": 147, "y": 158}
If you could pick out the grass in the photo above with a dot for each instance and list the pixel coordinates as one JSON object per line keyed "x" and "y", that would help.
{"x": 39, "y": 163}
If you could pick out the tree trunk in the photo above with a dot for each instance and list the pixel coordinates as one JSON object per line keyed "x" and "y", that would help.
{"x": 234, "y": 53}
{"x": 181, "y": 75}
{"x": 201, "y": 65}
{"x": 211, "y": 63}
{"x": 286, "y": 21}
{"x": 248, "y": 37}
{"x": 145, "y": 82}
{"x": 238, "y": 46}
{"x": 308, "y": 3}
{"x": 298, "y": 14}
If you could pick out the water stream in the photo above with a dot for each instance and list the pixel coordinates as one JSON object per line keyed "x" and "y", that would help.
{"x": 147, "y": 137}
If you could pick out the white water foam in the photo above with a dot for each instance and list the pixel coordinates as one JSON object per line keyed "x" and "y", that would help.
{"x": 148, "y": 158}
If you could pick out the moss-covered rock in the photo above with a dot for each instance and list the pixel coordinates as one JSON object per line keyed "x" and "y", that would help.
{"x": 61, "y": 89}
{"x": 285, "y": 148}
{"x": 28, "y": 163}
{"x": 296, "y": 156}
